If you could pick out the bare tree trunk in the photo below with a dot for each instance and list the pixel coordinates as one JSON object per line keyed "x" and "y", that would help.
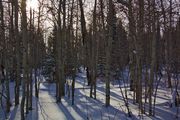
{"x": 58, "y": 59}
{"x": 85, "y": 44}
{"x": 132, "y": 39}
{"x": 167, "y": 59}
{"x": 169, "y": 49}
{"x": 153, "y": 60}
{"x": 131, "y": 47}
{"x": 94, "y": 52}
{"x": 5, "y": 60}
{"x": 31, "y": 90}
{"x": 31, "y": 62}
{"x": 18, "y": 77}
{"x": 138, "y": 46}
{"x": 63, "y": 43}
{"x": 24, "y": 39}
{"x": 108, "y": 50}
{"x": 27, "y": 89}
{"x": 36, "y": 83}
{"x": 73, "y": 85}
{"x": 73, "y": 51}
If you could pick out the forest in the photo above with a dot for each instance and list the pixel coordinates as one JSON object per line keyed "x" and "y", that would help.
{"x": 89, "y": 59}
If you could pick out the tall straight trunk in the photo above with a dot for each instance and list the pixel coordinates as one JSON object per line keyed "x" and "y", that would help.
{"x": 2, "y": 33}
{"x": 31, "y": 90}
{"x": 102, "y": 13}
{"x": 86, "y": 50}
{"x": 94, "y": 52}
{"x": 37, "y": 51}
{"x": 58, "y": 56}
{"x": 132, "y": 39}
{"x": 73, "y": 85}
{"x": 24, "y": 39}
{"x": 139, "y": 53}
{"x": 108, "y": 50}
{"x": 7, "y": 69}
{"x": 153, "y": 60}
{"x": 131, "y": 46}
{"x": 101, "y": 54}
{"x": 36, "y": 66}
{"x": 83, "y": 22}
{"x": 36, "y": 83}
{"x": 35, "y": 61}
{"x": 147, "y": 53}
{"x": 157, "y": 72}
{"x": 28, "y": 80}
{"x": 27, "y": 89}
{"x": 18, "y": 77}
{"x": 8, "y": 104}
{"x": 63, "y": 54}
{"x": 30, "y": 62}
{"x": 4, "y": 55}
{"x": 132, "y": 67}
{"x": 167, "y": 40}
{"x": 169, "y": 46}
{"x": 73, "y": 51}
{"x": 88, "y": 76}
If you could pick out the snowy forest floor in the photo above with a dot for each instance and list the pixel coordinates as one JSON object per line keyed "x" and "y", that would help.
{"x": 46, "y": 108}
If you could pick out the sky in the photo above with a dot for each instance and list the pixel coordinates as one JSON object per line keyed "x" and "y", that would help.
{"x": 32, "y": 4}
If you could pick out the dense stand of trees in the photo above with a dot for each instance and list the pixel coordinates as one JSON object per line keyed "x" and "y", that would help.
{"x": 141, "y": 35}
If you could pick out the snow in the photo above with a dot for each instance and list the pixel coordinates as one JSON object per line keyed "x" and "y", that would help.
{"x": 46, "y": 108}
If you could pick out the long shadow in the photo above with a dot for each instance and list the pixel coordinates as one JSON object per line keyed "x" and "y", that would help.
{"x": 101, "y": 90}
{"x": 61, "y": 106}
{"x": 163, "y": 112}
{"x": 158, "y": 109}
{"x": 14, "y": 112}
{"x": 75, "y": 108}
{"x": 167, "y": 99}
{"x": 2, "y": 111}
{"x": 85, "y": 108}
{"x": 66, "y": 112}
{"x": 33, "y": 114}
{"x": 110, "y": 111}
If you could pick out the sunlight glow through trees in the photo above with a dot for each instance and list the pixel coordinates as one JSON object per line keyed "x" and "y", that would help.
{"x": 32, "y": 4}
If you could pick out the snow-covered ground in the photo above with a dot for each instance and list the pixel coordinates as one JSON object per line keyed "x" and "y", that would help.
{"x": 46, "y": 108}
